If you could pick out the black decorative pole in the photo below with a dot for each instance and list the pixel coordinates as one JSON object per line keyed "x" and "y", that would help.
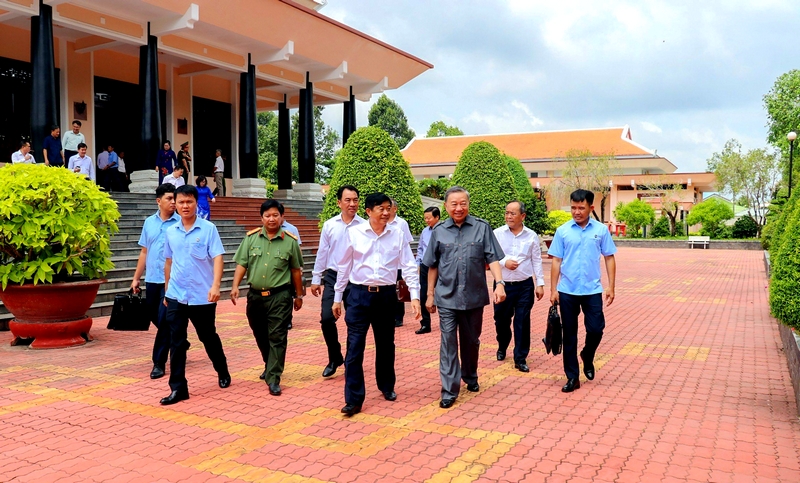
{"x": 791, "y": 137}
{"x": 284, "y": 147}
{"x": 345, "y": 122}
{"x": 151, "y": 105}
{"x": 349, "y": 118}
{"x": 44, "y": 106}
{"x": 248, "y": 124}
{"x": 305, "y": 137}
{"x": 352, "y": 106}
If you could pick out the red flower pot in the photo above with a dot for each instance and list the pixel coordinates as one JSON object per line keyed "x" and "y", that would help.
{"x": 53, "y": 315}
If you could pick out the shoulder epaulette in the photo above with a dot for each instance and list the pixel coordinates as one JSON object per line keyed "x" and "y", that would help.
{"x": 484, "y": 221}
{"x": 253, "y": 231}
{"x": 291, "y": 235}
{"x": 440, "y": 223}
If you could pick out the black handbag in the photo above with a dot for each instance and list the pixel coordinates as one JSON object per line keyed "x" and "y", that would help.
{"x": 129, "y": 313}
{"x": 553, "y": 337}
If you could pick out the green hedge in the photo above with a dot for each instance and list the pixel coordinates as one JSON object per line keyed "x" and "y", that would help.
{"x": 745, "y": 227}
{"x": 483, "y": 172}
{"x": 660, "y": 228}
{"x": 371, "y": 161}
{"x": 784, "y": 286}
{"x": 779, "y": 228}
{"x": 536, "y": 219}
{"x": 433, "y": 187}
{"x": 555, "y": 219}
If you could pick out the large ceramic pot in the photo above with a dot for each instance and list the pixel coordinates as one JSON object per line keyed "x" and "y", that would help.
{"x": 53, "y": 315}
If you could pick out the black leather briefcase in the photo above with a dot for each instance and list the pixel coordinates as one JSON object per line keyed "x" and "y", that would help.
{"x": 129, "y": 313}
{"x": 553, "y": 338}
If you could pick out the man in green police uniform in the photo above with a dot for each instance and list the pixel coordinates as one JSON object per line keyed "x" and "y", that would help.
{"x": 273, "y": 263}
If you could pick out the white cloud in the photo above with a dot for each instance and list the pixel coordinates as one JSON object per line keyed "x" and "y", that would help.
{"x": 518, "y": 119}
{"x": 650, "y": 127}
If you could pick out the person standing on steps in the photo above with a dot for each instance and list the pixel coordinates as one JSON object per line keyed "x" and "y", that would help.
{"x": 332, "y": 243}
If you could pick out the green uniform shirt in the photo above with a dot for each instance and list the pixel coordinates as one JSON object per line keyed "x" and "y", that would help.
{"x": 268, "y": 262}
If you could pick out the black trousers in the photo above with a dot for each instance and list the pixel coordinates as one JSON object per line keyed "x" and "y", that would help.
{"x": 68, "y": 154}
{"x": 203, "y": 318}
{"x": 328, "y": 322}
{"x": 593, "y": 319}
{"x": 423, "y": 296}
{"x": 400, "y": 312}
{"x": 268, "y": 318}
{"x": 367, "y": 309}
{"x": 517, "y": 305}
{"x": 154, "y": 298}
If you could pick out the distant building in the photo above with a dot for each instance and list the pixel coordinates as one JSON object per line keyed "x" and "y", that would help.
{"x": 542, "y": 154}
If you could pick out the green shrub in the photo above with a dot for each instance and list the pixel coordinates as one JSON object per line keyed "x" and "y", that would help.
{"x": 483, "y": 172}
{"x": 711, "y": 213}
{"x": 745, "y": 227}
{"x": 536, "y": 218}
{"x": 555, "y": 219}
{"x": 781, "y": 219}
{"x": 371, "y": 161}
{"x": 635, "y": 214}
{"x": 661, "y": 228}
{"x": 53, "y": 224}
{"x": 433, "y": 187}
{"x": 784, "y": 284}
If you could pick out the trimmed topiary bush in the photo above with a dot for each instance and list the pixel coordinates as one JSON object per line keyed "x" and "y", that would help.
{"x": 483, "y": 172}
{"x": 784, "y": 284}
{"x": 555, "y": 219}
{"x": 54, "y": 225}
{"x": 661, "y": 228}
{"x": 371, "y": 161}
{"x": 536, "y": 219}
{"x": 780, "y": 222}
{"x": 745, "y": 227}
{"x": 635, "y": 214}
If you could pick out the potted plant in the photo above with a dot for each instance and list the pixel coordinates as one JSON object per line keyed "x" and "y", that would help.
{"x": 55, "y": 229}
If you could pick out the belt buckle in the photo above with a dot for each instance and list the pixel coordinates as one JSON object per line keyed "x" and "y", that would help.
{"x": 265, "y": 293}
{"x": 371, "y": 287}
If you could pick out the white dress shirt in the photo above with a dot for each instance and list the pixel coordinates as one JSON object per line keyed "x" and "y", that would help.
{"x": 85, "y": 164}
{"x": 219, "y": 165}
{"x": 372, "y": 259}
{"x": 18, "y": 157}
{"x": 403, "y": 225}
{"x": 332, "y": 243}
{"x": 424, "y": 238}
{"x": 523, "y": 248}
{"x": 175, "y": 181}
{"x": 71, "y": 140}
{"x": 121, "y": 167}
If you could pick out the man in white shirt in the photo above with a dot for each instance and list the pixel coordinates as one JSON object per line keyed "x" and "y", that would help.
{"x": 72, "y": 139}
{"x": 24, "y": 155}
{"x": 175, "y": 178}
{"x": 82, "y": 164}
{"x": 373, "y": 254}
{"x": 401, "y": 224}
{"x": 521, "y": 264}
{"x": 219, "y": 173}
{"x": 431, "y": 215}
{"x": 332, "y": 242}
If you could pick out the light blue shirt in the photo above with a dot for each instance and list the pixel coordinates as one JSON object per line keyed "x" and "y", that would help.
{"x": 291, "y": 229}
{"x": 152, "y": 239}
{"x": 579, "y": 250}
{"x": 192, "y": 253}
{"x": 424, "y": 238}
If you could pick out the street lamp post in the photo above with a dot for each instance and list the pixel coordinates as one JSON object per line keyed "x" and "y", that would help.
{"x": 791, "y": 137}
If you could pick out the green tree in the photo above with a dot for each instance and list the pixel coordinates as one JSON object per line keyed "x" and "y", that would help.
{"x": 711, "y": 213}
{"x": 669, "y": 196}
{"x": 588, "y": 171}
{"x": 483, "y": 172}
{"x": 433, "y": 187}
{"x": 439, "y": 129}
{"x": 555, "y": 219}
{"x": 782, "y": 104}
{"x": 785, "y": 279}
{"x": 661, "y": 229}
{"x": 372, "y": 162}
{"x": 536, "y": 218}
{"x": 635, "y": 214}
{"x": 389, "y": 116}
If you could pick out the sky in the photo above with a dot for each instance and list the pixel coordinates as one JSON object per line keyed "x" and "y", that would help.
{"x": 686, "y": 76}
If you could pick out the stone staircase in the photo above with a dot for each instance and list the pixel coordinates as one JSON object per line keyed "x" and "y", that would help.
{"x": 233, "y": 218}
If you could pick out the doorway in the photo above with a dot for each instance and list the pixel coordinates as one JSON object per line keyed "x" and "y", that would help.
{"x": 211, "y": 130}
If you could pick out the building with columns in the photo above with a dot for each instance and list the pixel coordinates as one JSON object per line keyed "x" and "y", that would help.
{"x": 138, "y": 72}
{"x": 542, "y": 154}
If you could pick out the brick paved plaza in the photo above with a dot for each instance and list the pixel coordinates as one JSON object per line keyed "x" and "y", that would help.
{"x": 691, "y": 385}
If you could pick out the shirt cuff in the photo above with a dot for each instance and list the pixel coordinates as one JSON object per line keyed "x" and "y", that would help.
{"x": 414, "y": 294}
{"x": 316, "y": 280}
{"x": 540, "y": 282}
{"x": 337, "y": 297}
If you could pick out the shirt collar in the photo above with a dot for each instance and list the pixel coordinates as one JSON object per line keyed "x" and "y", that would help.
{"x": 280, "y": 234}
{"x": 469, "y": 220}
{"x": 590, "y": 223}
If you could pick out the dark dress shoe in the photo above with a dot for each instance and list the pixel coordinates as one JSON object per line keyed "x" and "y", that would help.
{"x": 351, "y": 409}
{"x": 447, "y": 402}
{"x": 224, "y": 381}
{"x": 398, "y": 323}
{"x": 330, "y": 369}
{"x": 175, "y": 397}
{"x": 274, "y": 388}
{"x": 571, "y": 385}
{"x": 423, "y": 330}
{"x": 588, "y": 368}
{"x": 473, "y": 387}
{"x": 263, "y": 375}
{"x": 523, "y": 367}
{"x": 501, "y": 355}
{"x": 157, "y": 372}
{"x": 289, "y": 326}
{"x": 390, "y": 395}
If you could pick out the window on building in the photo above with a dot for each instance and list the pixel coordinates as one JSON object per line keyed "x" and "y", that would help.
{"x": 535, "y": 174}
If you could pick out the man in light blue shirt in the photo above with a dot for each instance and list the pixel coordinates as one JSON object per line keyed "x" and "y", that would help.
{"x": 575, "y": 283}
{"x": 192, "y": 275}
{"x": 151, "y": 262}
{"x": 431, "y": 215}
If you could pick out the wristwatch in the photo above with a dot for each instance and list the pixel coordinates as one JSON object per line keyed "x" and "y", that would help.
{"x": 501, "y": 282}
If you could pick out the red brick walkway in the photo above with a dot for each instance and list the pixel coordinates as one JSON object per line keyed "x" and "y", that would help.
{"x": 692, "y": 386}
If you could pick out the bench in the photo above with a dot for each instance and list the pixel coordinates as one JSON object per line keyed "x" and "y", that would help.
{"x": 701, "y": 241}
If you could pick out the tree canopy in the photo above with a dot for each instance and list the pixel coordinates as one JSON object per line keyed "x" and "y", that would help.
{"x": 483, "y": 172}
{"x": 711, "y": 213}
{"x": 439, "y": 129}
{"x": 589, "y": 171}
{"x": 782, "y": 103}
{"x": 389, "y": 116}
{"x": 635, "y": 214}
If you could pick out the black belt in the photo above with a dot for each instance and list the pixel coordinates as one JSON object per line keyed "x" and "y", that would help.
{"x": 374, "y": 288}
{"x": 529, "y": 279}
{"x": 271, "y": 291}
